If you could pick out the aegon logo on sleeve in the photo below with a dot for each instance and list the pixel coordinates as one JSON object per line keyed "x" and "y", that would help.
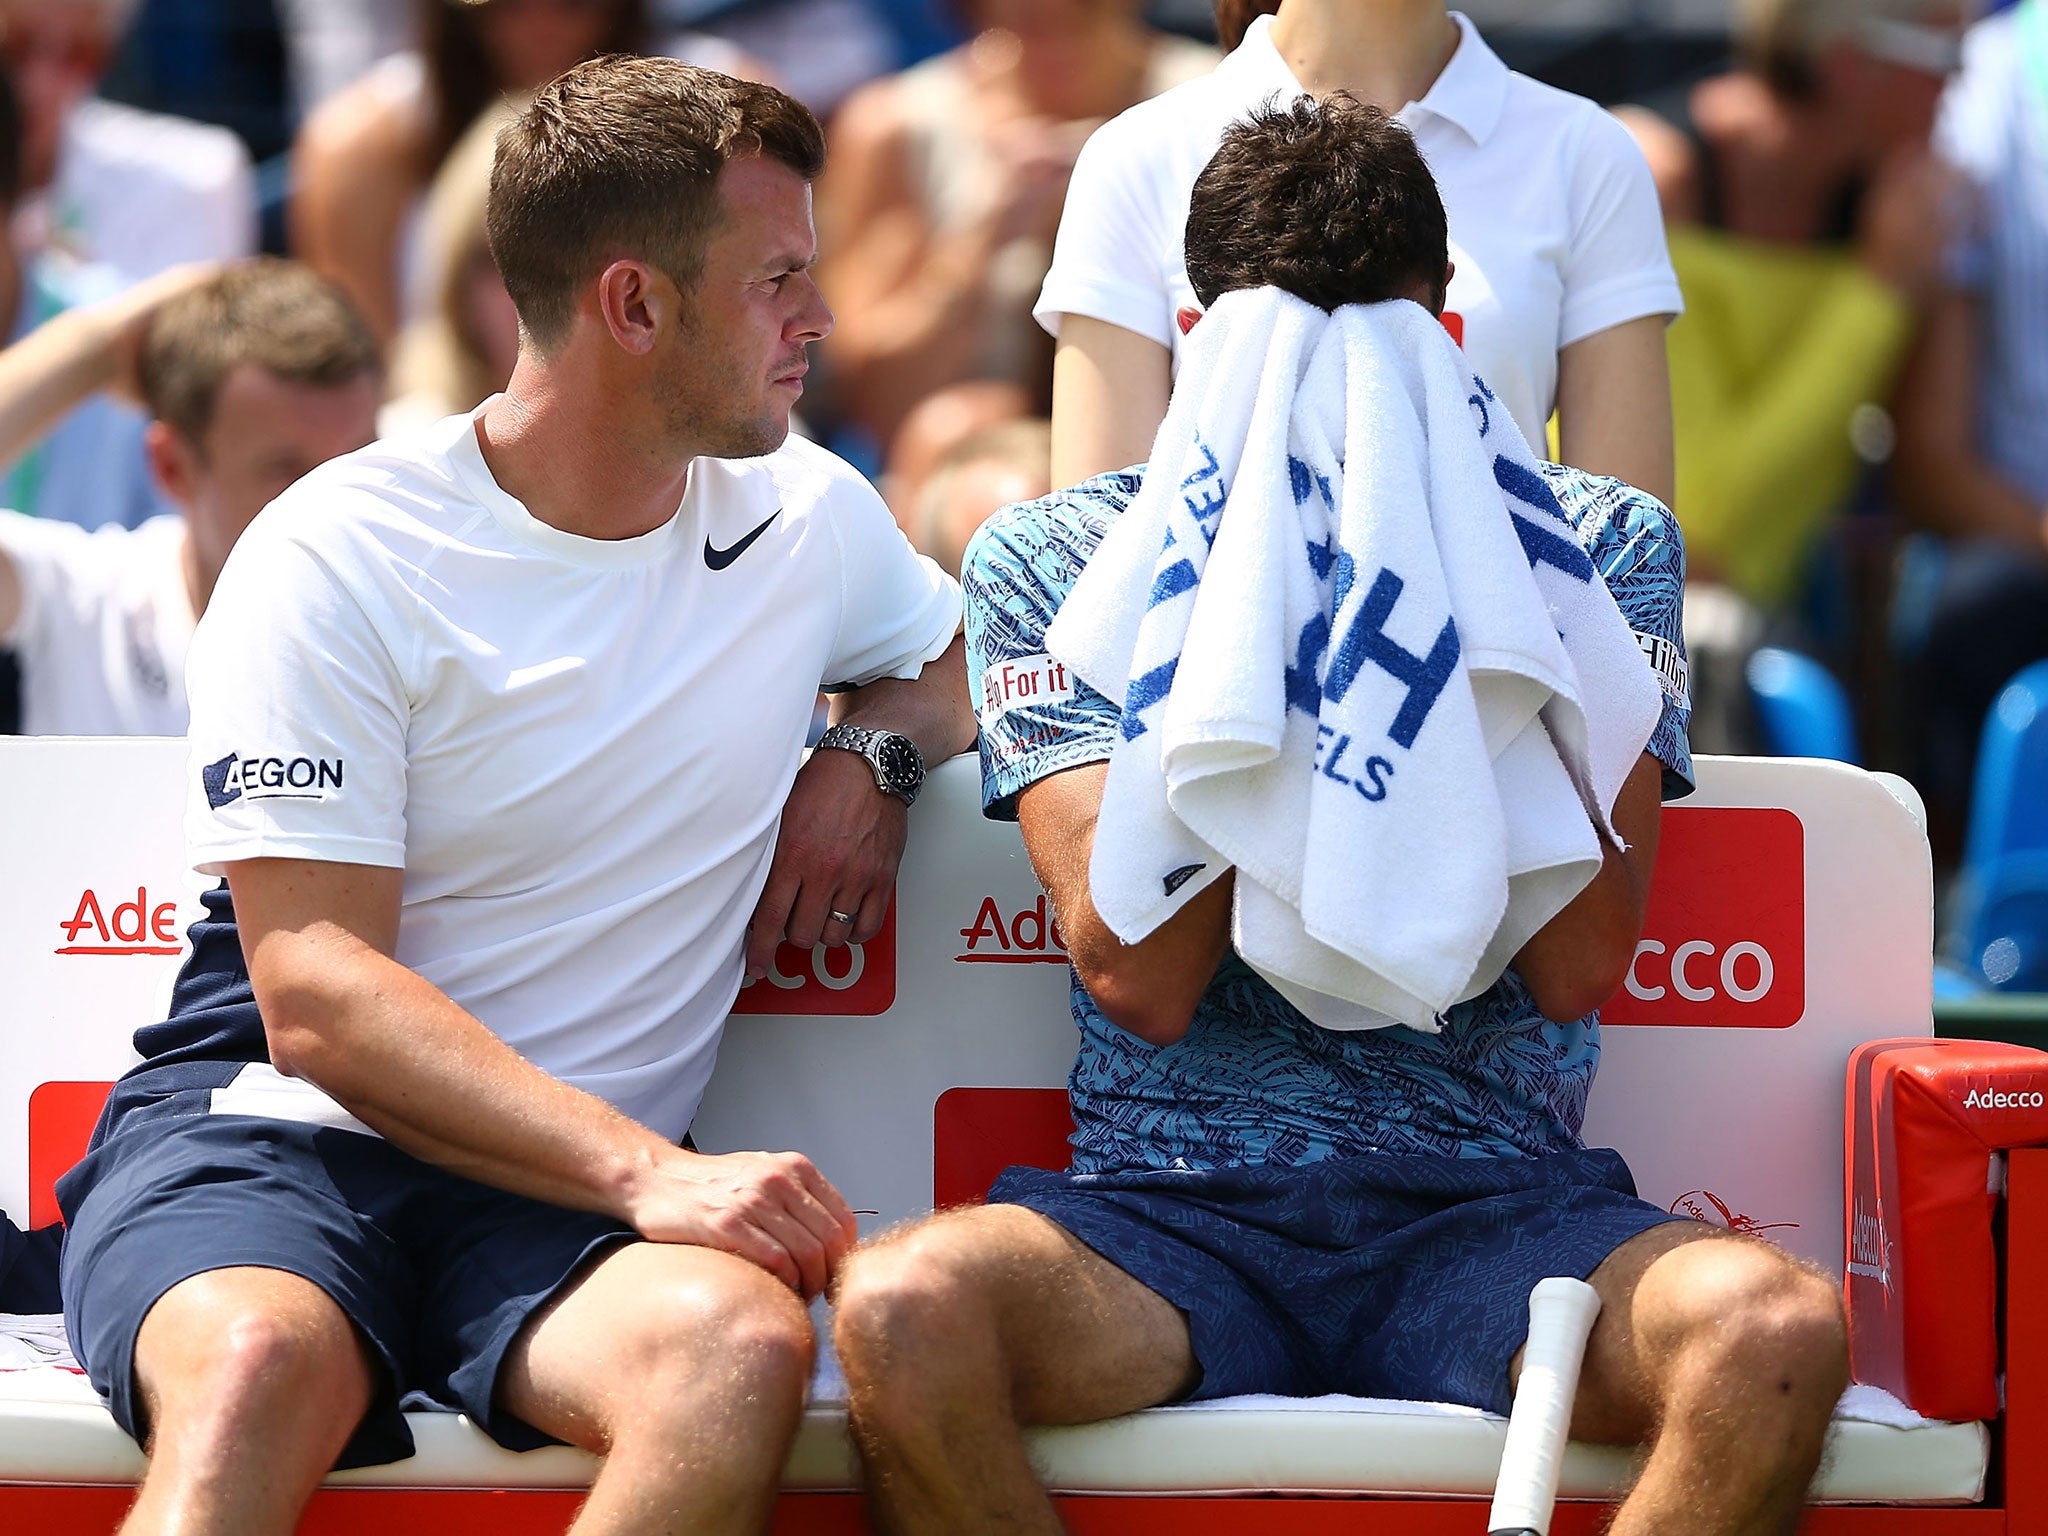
{"x": 236, "y": 777}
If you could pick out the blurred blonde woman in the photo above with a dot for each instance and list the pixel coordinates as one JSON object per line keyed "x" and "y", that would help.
{"x": 1561, "y": 290}
{"x": 460, "y": 351}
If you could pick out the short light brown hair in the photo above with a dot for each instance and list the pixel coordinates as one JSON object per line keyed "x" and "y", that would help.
{"x": 620, "y": 157}
{"x": 274, "y": 313}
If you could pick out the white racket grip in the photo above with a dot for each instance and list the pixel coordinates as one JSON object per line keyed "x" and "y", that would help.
{"x": 1561, "y": 1315}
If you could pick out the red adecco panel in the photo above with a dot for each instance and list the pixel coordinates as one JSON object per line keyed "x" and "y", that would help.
{"x": 1725, "y": 941}
{"x": 843, "y": 979}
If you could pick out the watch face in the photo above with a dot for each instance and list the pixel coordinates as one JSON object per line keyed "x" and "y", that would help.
{"x": 899, "y": 762}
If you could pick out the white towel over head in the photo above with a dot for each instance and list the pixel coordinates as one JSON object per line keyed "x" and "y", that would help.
{"x": 1362, "y": 660}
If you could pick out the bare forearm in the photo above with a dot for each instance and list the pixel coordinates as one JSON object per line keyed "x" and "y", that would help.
{"x": 932, "y": 709}
{"x": 1150, "y": 988}
{"x": 49, "y": 371}
{"x": 403, "y": 1058}
{"x": 1575, "y": 961}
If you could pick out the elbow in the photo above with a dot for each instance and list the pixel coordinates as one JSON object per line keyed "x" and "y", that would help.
{"x": 298, "y": 1030}
{"x": 1566, "y": 994}
{"x": 1138, "y": 1005}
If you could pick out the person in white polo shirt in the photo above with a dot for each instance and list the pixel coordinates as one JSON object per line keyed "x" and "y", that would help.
{"x": 254, "y": 375}
{"x": 497, "y": 739}
{"x": 1562, "y": 286}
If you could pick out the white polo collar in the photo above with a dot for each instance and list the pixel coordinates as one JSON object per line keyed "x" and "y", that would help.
{"x": 1470, "y": 94}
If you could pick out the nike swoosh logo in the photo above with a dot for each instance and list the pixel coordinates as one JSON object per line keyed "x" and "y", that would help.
{"x": 718, "y": 559}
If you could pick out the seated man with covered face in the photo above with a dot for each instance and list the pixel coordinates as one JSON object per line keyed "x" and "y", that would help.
{"x": 1258, "y": 1203}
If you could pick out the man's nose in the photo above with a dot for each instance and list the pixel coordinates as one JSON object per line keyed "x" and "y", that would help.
{"x": 814, "y": 319}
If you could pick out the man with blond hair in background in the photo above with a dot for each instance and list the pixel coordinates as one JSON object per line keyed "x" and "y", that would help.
{"x": 496, "y": 734}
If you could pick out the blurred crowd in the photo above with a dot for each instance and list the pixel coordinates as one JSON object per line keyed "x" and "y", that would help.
{"x": 1853, "y": 195}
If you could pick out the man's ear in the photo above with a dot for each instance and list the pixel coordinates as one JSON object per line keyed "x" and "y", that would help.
{"x": 174, "y": 463}
{"x": 1185, "y": 317}
{"x": 636, "y": 302}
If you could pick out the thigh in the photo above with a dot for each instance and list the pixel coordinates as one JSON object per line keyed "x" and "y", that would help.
{"x": 1081, "y": 1339}
{"x": 1617, "y": 1402}
{"x": 490, "y": 1263}
{"x": 637, "y": 1320}
{"x": 154, "y": 1209}
{"x": 1460, "y": 1278}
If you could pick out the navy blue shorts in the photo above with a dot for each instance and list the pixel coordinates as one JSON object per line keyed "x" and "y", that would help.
{"x": 1380, "y": 1276}
{"x": 437, "y": 1272}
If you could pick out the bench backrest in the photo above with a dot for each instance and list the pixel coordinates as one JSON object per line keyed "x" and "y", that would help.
{"x": 1792, "y": 919}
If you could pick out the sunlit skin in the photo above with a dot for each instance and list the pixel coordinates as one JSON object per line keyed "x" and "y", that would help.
{"x": 736, "y": 365}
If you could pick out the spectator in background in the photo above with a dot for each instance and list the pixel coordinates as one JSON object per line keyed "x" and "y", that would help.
{"x": 1562, "y": 288}
{"x": 136, "y": 192}
{"x": 945, "y": 190}
{"x": 459, "y": 352}
{"x": 85, "y": 465}
{"x": 1805, "y": 214}
{"x": 367, "y": 155}
{"x": 996, "y": 468}
{"x": 936, "y": 426}
{"x": 255, "y": 375}
{"x": 329, "y": 44}
{"x": 1972, "y": 458}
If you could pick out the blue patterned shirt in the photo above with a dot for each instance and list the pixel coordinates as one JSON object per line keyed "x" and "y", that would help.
{"x": 1253, "y": 1081}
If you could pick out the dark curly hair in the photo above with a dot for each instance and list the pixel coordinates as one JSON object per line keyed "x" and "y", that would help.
{"x": 1328, "y": 199}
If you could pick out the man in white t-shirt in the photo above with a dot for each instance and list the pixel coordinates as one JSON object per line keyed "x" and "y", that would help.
{"x": 254, "y": 375}
{"x": 496, "y": 734}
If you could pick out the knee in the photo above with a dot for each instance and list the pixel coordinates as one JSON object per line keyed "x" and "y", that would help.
{"x": 742, "y": 1318}
{"x": 205, "y": 1359}
{"x": 1749, "y": 1319}
{"x": 908, "y": 1306}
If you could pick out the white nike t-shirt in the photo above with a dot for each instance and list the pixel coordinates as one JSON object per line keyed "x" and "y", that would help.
{"x": 1554, "y": 225}
{"x": 105, "y": 619}
{"x": 576, "y": 749}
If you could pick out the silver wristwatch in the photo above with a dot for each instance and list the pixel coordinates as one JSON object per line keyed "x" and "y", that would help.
{"x": 898, "y": 765}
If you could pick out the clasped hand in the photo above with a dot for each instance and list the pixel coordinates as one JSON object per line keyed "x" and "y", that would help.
{"x": 773, "y": 1209}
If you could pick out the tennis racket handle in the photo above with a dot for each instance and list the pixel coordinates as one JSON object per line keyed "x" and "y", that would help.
{"x": 1561, "y": 1316}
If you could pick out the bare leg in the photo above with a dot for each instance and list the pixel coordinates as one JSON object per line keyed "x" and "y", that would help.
{"x": 958, "y": 1330}
{"x": 686, "y": 1369}
{"x": 253, "y": 1380}
{"x": 1725, "y": 1355}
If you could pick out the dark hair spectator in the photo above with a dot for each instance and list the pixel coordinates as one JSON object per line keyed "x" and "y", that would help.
{"x": 1806, "y": 219}
{"x": 557, "y": 210}
{"x": 1329, "y": 200}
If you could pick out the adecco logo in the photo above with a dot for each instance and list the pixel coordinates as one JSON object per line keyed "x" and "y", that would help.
{"x": 1028, "y": 936}
{"x": 1725, "y": 942}
{"x": 1993, "y": 1098}
{"x": 843, "y": 979}
{"x": 138, "y": 927}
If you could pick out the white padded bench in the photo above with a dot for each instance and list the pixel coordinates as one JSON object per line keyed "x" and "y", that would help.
{"x": 1792, "y": 920}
